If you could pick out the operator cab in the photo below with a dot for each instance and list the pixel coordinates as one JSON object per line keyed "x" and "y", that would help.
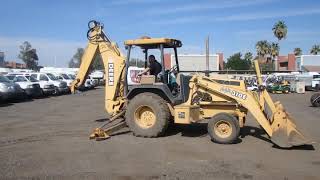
{"x": 168, "y": 83}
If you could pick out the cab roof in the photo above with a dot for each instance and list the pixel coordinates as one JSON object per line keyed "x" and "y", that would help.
{"x": 153, "y": 43}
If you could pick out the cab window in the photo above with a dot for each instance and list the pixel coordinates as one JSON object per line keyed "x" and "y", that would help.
{"x": 43, "y": 77}
{"x": 34, "y": 76}
{"x": 20, "y": 79}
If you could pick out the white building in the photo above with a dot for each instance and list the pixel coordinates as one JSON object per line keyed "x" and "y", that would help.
{"x": 308, "y": 62}
{"x": 196, "y": 62}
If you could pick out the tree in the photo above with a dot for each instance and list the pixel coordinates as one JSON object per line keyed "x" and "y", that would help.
{"x": 274, "y": 52}
{"x": 263, "y": 48}
{"x": 28, "y": 55}
{"x": 75, "y": 61}
{"x": 315, "y": 49}
{"x": 248, "y": 56}
{"x": 236, "y": 62}
{"x": 136, "y": 62}
{"x": 280, "y": 30}
{"x": 297, "y": 51}
{"x": 97, "y": 63}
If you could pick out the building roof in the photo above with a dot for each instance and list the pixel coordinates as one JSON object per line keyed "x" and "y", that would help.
{"x": 312, "y": 68}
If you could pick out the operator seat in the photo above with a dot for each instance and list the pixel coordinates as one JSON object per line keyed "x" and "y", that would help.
{"x": 183, "y": 83}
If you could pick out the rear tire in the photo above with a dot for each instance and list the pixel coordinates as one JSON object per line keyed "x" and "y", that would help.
{"x": 223, "y": 128}
{"x": 147, "y": 115}
{"x": 315, "y": 100}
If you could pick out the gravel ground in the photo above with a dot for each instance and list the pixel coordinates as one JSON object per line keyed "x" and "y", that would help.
{"x": 48, "y": 139}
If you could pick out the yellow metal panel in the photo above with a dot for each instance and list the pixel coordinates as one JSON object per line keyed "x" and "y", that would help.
{"x": 149, "y": 41}
{"x": 185, "y": 114}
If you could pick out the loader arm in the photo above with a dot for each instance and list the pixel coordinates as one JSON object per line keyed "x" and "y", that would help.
{"x": 279, "y": 126}
{"x": 114, "y": 64}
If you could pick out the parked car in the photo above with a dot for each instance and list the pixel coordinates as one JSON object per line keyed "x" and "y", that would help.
{"x": 64, "y": 77}
{"x": 10, "y": 90}
{"x": 252, "y": 87}
{"x": 60, "y": 86}
{"x": 32, "y": 89}
{"x": 46, "y": 87}
{"x": 88, "y": 84}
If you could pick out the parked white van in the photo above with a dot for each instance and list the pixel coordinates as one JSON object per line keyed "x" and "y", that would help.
{"x": 63, "y": 77}
{"x": 60, "y": 86}
{"x": 46, "y": 87}
{"x": 31, "y": 88}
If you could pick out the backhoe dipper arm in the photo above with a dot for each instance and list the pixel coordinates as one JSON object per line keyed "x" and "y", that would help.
{"x": 114, "y": 64}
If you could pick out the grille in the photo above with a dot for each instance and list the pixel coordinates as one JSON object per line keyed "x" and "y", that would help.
{"x": 37, "y": 86}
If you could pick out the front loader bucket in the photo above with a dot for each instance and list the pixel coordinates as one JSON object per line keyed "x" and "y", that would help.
{"x": 284, "y": 131}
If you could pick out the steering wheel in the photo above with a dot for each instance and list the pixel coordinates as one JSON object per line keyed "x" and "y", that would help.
{"x": 173, "y": 69}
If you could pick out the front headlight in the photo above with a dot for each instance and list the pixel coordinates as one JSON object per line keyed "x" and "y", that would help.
{"x": 3, "y": 88}
{"x": 30, "y": 86}
{"x": 16, "y": 87}
{"x": 46, "y": 86}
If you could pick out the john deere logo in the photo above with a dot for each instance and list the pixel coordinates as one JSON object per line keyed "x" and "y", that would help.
{"x": 233, "y": 93}
{"x": 110, "y": 74}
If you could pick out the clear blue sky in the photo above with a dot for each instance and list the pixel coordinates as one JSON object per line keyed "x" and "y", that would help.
{"x": 57, "y": 27}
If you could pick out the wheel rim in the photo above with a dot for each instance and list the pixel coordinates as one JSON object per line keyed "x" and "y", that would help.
{"x": 145, "y": 117}
{"x": 223, "y": 129}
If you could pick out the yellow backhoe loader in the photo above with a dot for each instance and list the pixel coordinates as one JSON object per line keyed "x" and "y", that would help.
{"x": 148, "y": 106}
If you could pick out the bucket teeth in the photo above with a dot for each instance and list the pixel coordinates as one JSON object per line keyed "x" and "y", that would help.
{"x": 99, "y": 134}
{"x": 285, "y": 133}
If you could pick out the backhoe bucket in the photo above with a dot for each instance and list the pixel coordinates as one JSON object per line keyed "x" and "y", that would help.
{"x": 285, "y": 133}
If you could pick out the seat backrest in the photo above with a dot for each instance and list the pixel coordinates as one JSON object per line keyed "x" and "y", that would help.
{"x": 183, "y": 82}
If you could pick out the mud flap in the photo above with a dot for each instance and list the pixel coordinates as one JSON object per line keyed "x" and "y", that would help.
{"x": 285, "y": 133}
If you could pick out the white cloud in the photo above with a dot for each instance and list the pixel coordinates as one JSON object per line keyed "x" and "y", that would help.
{"x": 198, "y": 6}
{"x": 240, "y": 17}
{"x": 50, "y": 51}
{"x": 269, "y": 15}
{"x": 128, "y": 2}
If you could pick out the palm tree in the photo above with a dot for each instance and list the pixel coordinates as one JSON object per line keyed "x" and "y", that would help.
{"x": 315, "y": 49}
{"x": 274, "y": 50}
{"x": 248, "y": 56}
{"x": 297, "y": 51}
{"x": 263, "y": 49}
{"x": 280, "y": 30}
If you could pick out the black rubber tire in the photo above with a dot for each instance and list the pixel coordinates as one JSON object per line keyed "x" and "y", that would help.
{"x": 158, "y": 106}
{"x": 317, "y": 88}
{"x": 234, "y": 126}
{"x": 312, "y": 100}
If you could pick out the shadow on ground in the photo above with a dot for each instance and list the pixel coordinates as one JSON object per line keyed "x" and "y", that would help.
{"x": 261, "y": 134}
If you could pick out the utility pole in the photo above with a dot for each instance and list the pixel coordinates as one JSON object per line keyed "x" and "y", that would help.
{"x": 207, "y": 57}
{"x": 55, "y": 61}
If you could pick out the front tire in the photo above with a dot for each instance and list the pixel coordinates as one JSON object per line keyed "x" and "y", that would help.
{"x": 147, "y": 115}
{"x": 315, "y": 100}
{"x": 223, "y": 128}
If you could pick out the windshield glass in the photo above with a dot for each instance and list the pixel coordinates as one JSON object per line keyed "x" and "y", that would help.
{"x": 10, "y": 77}
{"x": 65, "y": 76}
{"x": 31, "y": 79}
{"x": 20, "y": 79}
{"x": 72, "y": 76}
{"x": 316, "y": 76}
{"x": 4, "y": 79}
{"x": 52, "y": 77}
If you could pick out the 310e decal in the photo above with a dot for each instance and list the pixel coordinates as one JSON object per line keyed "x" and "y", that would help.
{"x": 233, "y": 93}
